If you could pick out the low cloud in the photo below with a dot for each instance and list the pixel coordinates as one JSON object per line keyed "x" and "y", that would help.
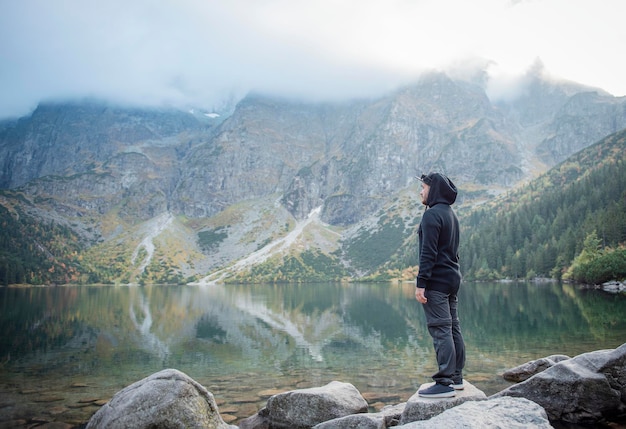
{"x": 200, "y": 52}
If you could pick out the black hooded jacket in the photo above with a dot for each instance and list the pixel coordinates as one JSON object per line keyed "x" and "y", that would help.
{"x": 439, "y": 237}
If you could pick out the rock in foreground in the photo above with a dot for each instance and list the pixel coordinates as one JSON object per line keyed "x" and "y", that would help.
{"x": 418, "y": 408}
{"x": 584, "y": 389}
{"x": 166, "y": 399}
{"x": 305, "y": 408}
{"x": 494, "y": 413}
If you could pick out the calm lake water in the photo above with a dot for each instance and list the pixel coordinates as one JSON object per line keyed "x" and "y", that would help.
{"x": 64, "y": 350}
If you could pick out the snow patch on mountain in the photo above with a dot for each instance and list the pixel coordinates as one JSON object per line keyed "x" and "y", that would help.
{"x": 154, "y": 228}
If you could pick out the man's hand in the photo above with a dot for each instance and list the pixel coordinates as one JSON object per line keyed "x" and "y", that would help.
{"x": 419, "y": 295}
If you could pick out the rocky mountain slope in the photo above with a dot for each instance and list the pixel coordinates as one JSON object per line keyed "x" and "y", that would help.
{"x": 163, "y": 195}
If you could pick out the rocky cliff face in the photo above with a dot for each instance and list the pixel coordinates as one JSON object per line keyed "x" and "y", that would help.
{"x": 65, "y": 139}
{"x": 585, "y": 117}
{"x": 89, "y": 160}
{"x": 350, "y": 156}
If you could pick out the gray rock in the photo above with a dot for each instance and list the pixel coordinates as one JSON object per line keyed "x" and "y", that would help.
{"x": 613, "y": 287}
{"x": 389, "y": 416}
{"x": 418, "y": 408}
{"x": 305, "y": 408}
{"x": 354, "y": 421}
{"x": 584, "y": 389}
{"x": 505, "y": 413}
{"x": 166, "y": 399}
{"x": 392, "y": 414}
{"x": 528, "y": 369}
{"x": 258, "y": 421}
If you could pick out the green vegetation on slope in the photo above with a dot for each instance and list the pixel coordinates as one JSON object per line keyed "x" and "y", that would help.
{"x": 540, "y": 229}
{"x": 35, "y": 252}
{"x": 384, "y": 246}
{"x": 597, "y": 265}
{"x": 210, "y": 239}
{"x": 309, "y": 266}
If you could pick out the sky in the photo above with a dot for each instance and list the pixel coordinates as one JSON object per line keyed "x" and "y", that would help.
{"x": 201, "y": 53}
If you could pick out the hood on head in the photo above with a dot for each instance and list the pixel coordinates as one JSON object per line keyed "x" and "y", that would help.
{"x": 442, "y": 190}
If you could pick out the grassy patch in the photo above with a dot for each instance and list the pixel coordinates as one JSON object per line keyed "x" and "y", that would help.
{"x": 371, "y": 249}
{"x": 209, "y": 239}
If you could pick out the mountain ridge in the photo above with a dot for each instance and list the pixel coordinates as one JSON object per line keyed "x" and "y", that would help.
{"x": 243, "y": 181}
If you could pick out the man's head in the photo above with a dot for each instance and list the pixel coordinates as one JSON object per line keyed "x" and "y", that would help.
{"x": 437, "y": 188}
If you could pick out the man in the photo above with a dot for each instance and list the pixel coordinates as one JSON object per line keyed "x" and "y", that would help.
{"x": 438, "y": 282}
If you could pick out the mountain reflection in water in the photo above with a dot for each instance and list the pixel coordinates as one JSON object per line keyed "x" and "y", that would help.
{"x": 70, "y": 343}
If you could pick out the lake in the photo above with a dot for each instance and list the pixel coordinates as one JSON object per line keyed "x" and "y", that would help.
{"x": 66, "y": 350}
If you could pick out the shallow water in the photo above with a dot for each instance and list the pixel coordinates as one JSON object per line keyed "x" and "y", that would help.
{"x": 66, "y": 350}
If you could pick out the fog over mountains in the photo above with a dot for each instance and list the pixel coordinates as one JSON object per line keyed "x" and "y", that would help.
{"x": 232, "y": 184}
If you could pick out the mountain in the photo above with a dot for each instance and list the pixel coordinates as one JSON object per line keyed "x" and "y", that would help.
{"x": 276, "y": 189}
{"x": 538, "y": 229}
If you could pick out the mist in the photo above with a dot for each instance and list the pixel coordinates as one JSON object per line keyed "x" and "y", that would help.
{"x": 197, "y": 53}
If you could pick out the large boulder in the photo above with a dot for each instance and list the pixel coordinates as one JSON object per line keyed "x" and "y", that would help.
{"x": 525, "y": 371}
{"x": 166, "y": 399}
{"x": 584, "y": 389}
{"x": 304, "y": 408}
{"x": 505, "y": 412}
{"x": 418, "y": 408}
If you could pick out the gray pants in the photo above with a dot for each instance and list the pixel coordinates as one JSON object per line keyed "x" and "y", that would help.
{"x": 444, "y": 328}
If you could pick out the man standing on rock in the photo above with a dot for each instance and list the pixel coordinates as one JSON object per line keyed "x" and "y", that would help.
{"x": 438, "y": 282}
